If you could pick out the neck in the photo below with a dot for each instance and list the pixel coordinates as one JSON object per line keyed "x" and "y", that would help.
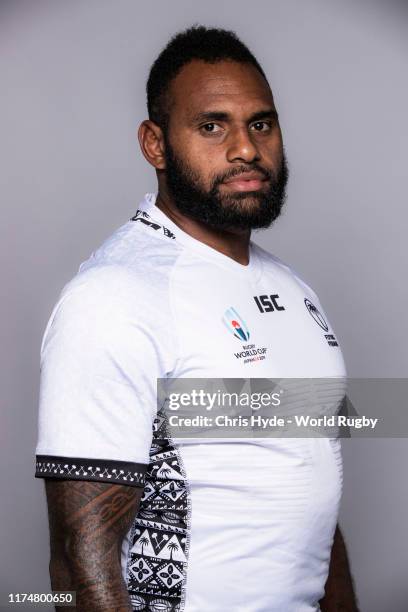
{"x": 232, "y": 242}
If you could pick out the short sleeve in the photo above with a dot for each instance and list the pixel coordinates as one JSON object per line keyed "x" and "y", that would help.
{"x": 100, "y": 361}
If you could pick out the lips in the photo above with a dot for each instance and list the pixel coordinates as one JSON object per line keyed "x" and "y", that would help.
{"x": 246, "y": 181}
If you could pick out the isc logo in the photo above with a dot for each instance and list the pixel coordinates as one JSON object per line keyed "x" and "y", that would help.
{"x": 268, "y": 303}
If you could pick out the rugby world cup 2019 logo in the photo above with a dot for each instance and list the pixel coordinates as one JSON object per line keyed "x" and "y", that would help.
{"x": 235, "y": 324}
{"x": 238, "y": 328}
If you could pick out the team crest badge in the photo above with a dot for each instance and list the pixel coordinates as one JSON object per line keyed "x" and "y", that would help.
{"x": 316, "y": 314}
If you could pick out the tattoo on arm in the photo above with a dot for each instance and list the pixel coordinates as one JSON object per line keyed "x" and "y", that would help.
{"x": 88, "y": 521}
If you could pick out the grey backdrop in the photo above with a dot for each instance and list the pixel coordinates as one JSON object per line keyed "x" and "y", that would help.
{"x": 72, "y": 95}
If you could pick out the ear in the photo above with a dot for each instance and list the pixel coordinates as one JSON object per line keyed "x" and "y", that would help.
{"x": 151, "y": 142}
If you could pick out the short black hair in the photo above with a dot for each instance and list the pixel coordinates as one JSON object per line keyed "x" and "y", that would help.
{"x": 197, "y": 42}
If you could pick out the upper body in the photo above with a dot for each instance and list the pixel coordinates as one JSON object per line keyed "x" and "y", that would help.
{"x": 178, "y": 292}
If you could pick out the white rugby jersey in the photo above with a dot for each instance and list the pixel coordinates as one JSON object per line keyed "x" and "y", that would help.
{"x": 244, "y": 525}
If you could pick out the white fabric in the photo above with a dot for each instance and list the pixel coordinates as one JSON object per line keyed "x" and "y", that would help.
{"x": 148, "y": 305}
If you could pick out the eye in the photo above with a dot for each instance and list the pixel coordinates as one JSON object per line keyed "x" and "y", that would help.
{"x": 261, "y": 126}
{"x": 210, "y": 128}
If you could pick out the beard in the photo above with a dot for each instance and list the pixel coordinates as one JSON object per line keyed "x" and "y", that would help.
{"x": 240, "y": 210}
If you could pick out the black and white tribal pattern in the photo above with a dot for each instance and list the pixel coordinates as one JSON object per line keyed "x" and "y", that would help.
{"x": 101, "y": 470}
{"x": 157, "y": 563}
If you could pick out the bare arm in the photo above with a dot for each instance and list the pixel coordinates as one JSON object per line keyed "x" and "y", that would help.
{"x": 88, "y": 521}
{"x": 339, "y": 590}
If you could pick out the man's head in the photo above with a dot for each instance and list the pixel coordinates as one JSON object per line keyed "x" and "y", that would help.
{"x": 213, "y": 133}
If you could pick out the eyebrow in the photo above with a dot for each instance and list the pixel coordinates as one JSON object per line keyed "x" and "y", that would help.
{"x": 269, "y": 113}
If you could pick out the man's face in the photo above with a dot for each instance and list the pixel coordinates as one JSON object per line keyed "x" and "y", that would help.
{"x": 225, "y": 163}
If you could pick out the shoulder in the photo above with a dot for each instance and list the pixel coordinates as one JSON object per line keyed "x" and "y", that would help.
{"x": 105, "y": 285}
{"x": 138, "y": 249}
{"x": 106, "y": 301}
{"x": 129, "y": 270}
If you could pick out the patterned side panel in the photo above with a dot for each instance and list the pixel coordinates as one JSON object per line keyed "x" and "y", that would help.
{"x": 157, "y": 561}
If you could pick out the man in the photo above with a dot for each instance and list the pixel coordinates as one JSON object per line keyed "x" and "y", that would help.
{"x": 141, "y": 521}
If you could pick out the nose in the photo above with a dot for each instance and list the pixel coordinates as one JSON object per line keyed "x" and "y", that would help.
{"x": 241, "y": 147}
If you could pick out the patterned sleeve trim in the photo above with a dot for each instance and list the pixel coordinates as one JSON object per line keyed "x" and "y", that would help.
{"x": 101, "y": 470}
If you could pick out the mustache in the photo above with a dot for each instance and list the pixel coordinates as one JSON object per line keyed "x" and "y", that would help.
{"x": 220, "y": 178}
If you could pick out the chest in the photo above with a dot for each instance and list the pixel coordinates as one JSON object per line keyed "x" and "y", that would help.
{"x": 269, "y": 327}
